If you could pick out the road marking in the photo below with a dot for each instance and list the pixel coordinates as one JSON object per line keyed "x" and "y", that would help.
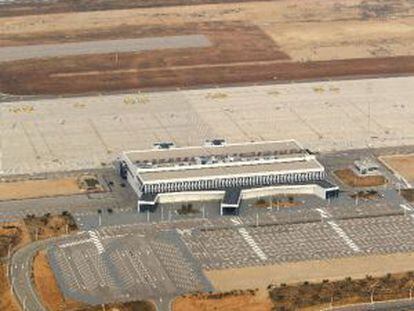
{"x": 95, "y": 239}
{"x": 323, "y": 213}
{"x": 75, "y": 243}
{"x": 248, "y": 238}
{"x": 236, "y": 220}
{"x": 339, "y": 231}
{"x": 344, "y": 236}
{"x": 408, "y": 208}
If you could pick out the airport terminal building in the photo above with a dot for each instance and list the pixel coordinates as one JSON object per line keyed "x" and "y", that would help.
{"x": 226, "y": 171}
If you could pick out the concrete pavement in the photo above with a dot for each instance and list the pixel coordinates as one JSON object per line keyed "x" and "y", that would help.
{"x": 12, "y": 53}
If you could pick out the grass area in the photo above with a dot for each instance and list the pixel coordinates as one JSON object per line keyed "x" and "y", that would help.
{"x": 348, "y": 177}
{"x": 346, "y": 291}
{"x": 48, "y": 226}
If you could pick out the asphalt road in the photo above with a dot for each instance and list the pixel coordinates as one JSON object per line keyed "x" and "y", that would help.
{"x": 395, "y": 305}
{"x": 20, "y": 276}
{"x": 12, "y": 53}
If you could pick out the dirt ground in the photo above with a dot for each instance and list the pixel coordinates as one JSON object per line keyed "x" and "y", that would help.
{"x": 408, "y": 194}
{"x": 7, "y": 302}
{"x": 37, "y": 188}
{"x": 312, "y": 271}
{"x": 26, "y": 189}
{"x": 348, "y": 177}
{"x": 12, "y": 233}
{"x": 252, "y": 42}
{"x": 241, "y": 300}
{"x": 49, "y": 226}
{"x": 56, "y": 77}
{"x": 16, "y": 234}
{"x": 308, "y": 295}
{"x": 403, "y": 165}
{"x": 60, "y": 6}
{"x": 47, "y": 286}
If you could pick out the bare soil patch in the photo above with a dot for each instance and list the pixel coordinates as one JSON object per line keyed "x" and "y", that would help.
{"x": 368, "y": 195}
{"x": 348, "y": 177}
{"x": 67, "y": 75}
{"x": 47, "y": 286}
{"x": 38, "y": 188}
{"x": 48, "y": 226}
{"x": 51, "y": 295}
{"x": 61, "y": 6}
{"x": 7, "y": 301}
{"x": 27, "y": 189}
{"x": 231, "y": 301}
{"x": 402, "y": 165}
{"x": 278, "y": 202}
{"x": 408, "y": 194}
{"x": 291, "y": 41}
{"x": 234, "y": 44}
{"x": 12, "y": 235}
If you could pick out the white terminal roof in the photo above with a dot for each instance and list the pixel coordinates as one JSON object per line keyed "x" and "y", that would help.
{"x": 199, "y": 151}
{"x": 285, "y": 157}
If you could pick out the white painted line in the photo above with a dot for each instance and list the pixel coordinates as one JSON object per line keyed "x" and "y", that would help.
{"x": 344, "y": 236}
{"x": 247, "y": 237}
{"x": 323, "y": 213}
{"x": 95, "y": 239}
{"x": 339, "y": 231}
{"x": 236, "y": 220}
{"x": 75, "y": 243}
{"x": 407, "y": 208}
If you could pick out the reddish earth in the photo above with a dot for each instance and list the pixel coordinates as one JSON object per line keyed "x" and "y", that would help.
{"x": 240, "y": 53}
{"x": 233, "y": 44}
{"x": 60, "y": 6}
{"x": 30, "y": 78}
{"x": 348, "y": 177}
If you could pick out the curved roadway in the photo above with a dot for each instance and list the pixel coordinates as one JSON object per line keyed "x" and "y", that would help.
{"x": 20, "y": 275}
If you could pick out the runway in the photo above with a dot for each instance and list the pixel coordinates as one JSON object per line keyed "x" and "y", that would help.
{"x": 12, "y": 53}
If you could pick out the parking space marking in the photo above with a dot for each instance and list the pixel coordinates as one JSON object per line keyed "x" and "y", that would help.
{"x": 253, "y": 245}
{"x": 408, "y": 208}
{"x": 339, "y": 231}
{"x": 95, "y": 239}
{"x": 75, "y": 243}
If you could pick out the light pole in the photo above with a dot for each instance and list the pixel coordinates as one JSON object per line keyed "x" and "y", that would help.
{"x": 99, "y": 217}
